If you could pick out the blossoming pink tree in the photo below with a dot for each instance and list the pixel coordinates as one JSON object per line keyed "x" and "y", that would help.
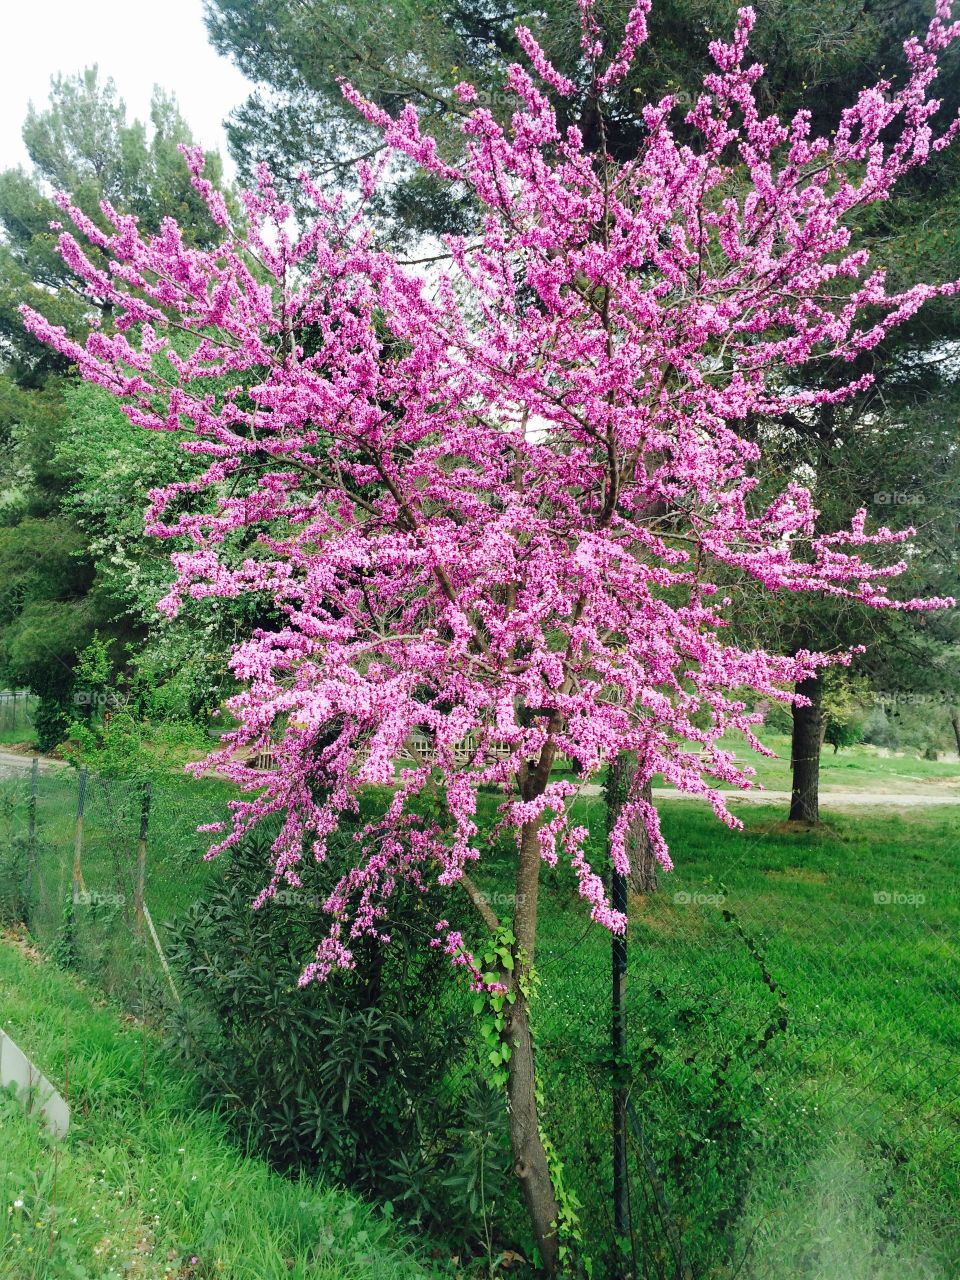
{"x": 495, "y": 499}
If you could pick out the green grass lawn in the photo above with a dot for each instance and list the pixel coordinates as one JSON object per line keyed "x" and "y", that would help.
{"x": 861, "y": 768}
{"x": 835, "y": 1152}
{"x": 145, "y": 1185}
{"x": 865, "y": 768}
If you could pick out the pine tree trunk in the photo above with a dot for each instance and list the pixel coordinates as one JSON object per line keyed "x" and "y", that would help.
{"x": 529, "y": 1156}
{"x": 809, "y": 726}
{"x": 643, "y": 865}
{"x": 955, "y": 721}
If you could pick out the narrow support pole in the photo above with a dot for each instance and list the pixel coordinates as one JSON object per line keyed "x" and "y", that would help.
{"x": 78, "y": 885}
{"x": 163, "y": 959}
{"x": 31, "y": 837}
{"x": 621, "y": 1222}
{"x": 138, "y": 892}
{"x": 141, "y": 910}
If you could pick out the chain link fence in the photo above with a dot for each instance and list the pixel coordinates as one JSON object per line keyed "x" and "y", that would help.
{"x": 95, "y": 866}
{"x": 16, "y": 713}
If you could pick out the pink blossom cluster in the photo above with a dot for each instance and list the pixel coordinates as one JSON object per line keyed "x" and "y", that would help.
{"x": 501, "y": 500}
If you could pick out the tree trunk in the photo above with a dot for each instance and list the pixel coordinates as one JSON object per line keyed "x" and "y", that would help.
{"x": 809, "y": 726}
{"x": 643, "y": 864}
{"x": 955, "y": 721}
{"x": 529, "y": 1157}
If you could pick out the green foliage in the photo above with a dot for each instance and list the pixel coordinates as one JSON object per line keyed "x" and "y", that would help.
{"x": 490, "y": 1008}
{"x": 843, "y": 733}
{"x": 814, "y": 52}
{"x": 64, "y": 950}
{"x": 911, "y": 723}
{"x": 845, "y": 702}
{"x": 47, "y": 612}
{"x": 368, "y": 1078}
{"x": 32, "y": 420}
{"x": 92, "y": 678}
{"x": 110, "y": 467}
{"x": 173, "y": 671}
{"x": 45, "y": 617}
{"x": 82, "y": 143}
{"x": 122, "y": 745}
{"x": 896, "y": 455}
{"x": 74, "y": 476}
{"x": 14, "y": 906}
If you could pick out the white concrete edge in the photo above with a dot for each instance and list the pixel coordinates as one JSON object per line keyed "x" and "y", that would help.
{"x": 32, "y": 1086}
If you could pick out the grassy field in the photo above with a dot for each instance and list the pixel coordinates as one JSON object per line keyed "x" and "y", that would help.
{"x": 864, "y": 768}
{"x": 860, "y": 768}
{"x": 834, "y": 1151}
{"x": 144, "y": 1185}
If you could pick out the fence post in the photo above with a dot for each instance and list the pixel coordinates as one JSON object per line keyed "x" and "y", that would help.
{"x": 616, "y": 790}
{"x": 78, "y": 885}
{"x": 31, "y": 836}
{"x": 618, "y": 1030}
{"x": 138, "y": 891}
{"x": 142, "y": 911}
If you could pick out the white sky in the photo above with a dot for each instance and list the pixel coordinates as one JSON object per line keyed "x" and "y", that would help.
{"x": 139, "y": 44}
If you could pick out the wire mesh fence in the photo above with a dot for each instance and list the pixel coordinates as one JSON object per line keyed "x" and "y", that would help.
{"x": 16, "y": 713}
{"x": 789, "y": 1074}
{"x": 95, "y": 866}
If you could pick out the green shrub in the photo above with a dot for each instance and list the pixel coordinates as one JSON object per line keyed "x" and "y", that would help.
{"x": 369, "y": 1078}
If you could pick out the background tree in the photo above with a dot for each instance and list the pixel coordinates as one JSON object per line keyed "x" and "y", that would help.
{"x": 416, "y": 52}
{"x": 894, "y": 453}
{"x": 58, "y": 588}
{"x": 82, "y": 142}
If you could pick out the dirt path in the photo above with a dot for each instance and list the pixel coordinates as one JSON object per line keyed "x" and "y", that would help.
{"x": 12, "y": 764}
{"x": 830, "y": 797}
